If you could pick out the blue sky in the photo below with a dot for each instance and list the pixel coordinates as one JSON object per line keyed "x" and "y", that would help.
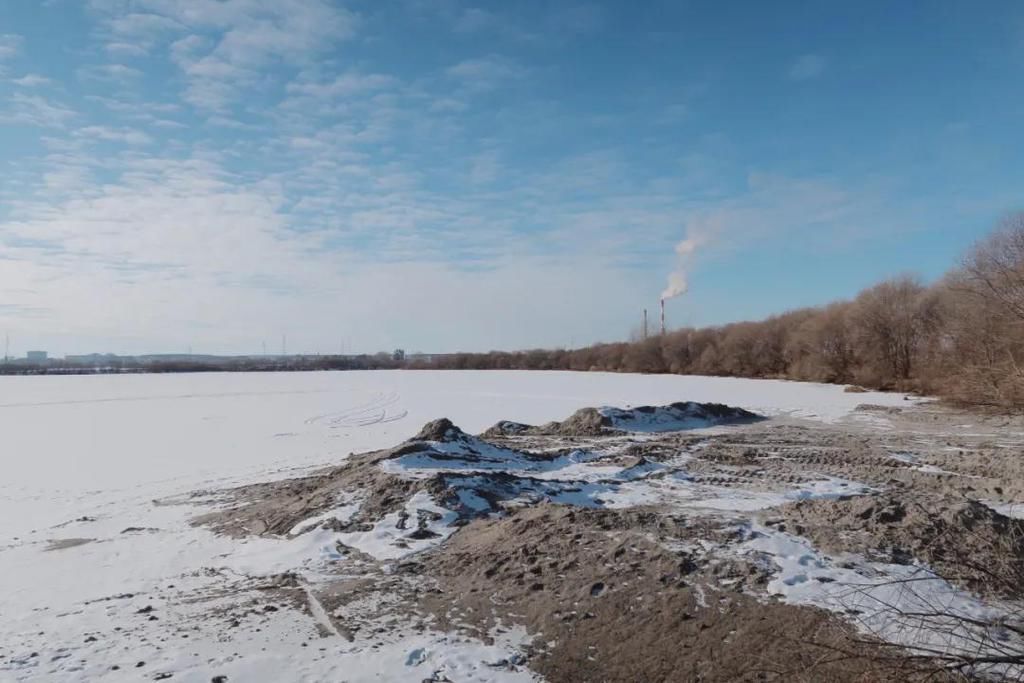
{"x": 441, "y": 175}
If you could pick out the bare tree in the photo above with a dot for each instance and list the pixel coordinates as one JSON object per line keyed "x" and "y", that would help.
{"x": 892, "y": 319}
{"x": 994, "y": 268}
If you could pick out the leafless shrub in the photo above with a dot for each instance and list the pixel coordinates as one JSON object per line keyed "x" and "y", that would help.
{"x": 994, "y": 268}
{"x": 921, "y": 619}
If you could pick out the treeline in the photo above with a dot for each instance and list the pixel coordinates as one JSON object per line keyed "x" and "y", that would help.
{"x": 962, "y": 337}
{"x": 378, "y": 361}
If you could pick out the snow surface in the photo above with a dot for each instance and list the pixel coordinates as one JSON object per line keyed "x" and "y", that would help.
{"x": 889, "y": 601}
{"x": 1011, "y": 510}
{"x": 380, "y": 542}
{"x": 89, "y": 436}
{"x": 586, "y": 479}
{"x": 84, "y": 457}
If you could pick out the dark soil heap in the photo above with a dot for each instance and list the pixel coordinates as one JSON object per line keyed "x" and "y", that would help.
{"x": 963, "y": 540}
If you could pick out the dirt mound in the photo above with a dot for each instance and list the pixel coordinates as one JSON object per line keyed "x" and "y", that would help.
{"x": 507, "y": 428}
{"x": 608, "y": 421}
{"x": 675, "y": 417}
{"x": 438, "y": 430}
{"x": 614, "y": 605}
{"x": 963, "y": 540}
{"x": 874, "y": 408}
{"x": 584, "y": 422}
{"x": 598, "y": 548}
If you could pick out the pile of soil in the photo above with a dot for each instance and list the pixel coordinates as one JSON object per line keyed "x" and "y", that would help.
{"x": 591, "y": 422}
{"x": 963, "y": 540}
{"x": 584, "y": 422}
{"x": 652, "y": 593}
{"x": 611, "y": 604}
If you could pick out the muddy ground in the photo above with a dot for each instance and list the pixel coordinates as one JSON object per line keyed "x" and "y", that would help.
{"x": 622, "y": 554}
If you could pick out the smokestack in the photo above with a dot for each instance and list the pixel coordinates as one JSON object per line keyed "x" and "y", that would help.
{"x": 645, "y": 324}
{"x": 663, "y": 316}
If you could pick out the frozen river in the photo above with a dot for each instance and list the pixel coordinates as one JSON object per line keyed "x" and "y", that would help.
{"x": 83, "y": 547}
{"x": 69, "y": 442}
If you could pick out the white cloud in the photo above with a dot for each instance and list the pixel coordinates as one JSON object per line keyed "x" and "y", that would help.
{"x": 473, "y": 19}
{"x": 31, "y": 81}
{"x": 360, "y": 200}
{"x": 234, "y": 124}
{"x": 485, "y": 168}
{"x": 143, "y": 25}
{"x": 485, "y": 72}
{"x": 807, "y": 67}
{"x": 582, "y": 19}
{"x": 10, "y": 45}
{"x": 344, "y": 85}
{"x": 116, "y": 73}
{"x": 183, "y": 245}
{"x": 36, "y": 111}
{"x": 231, "y": 40}
{"x": 122, "y": 49}
{"x": 128, "y": 136}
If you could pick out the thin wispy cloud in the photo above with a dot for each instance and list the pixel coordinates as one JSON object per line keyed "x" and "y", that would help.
{"x": 473, "y": 19}
{"x": 31, "y": 81}
{"x": 807, "y": 67}
{"x": 239, "y": 167}
{"x": 116, "y": 73}
{"x": 10, "y": 45}
{"x": 128, "y": 136}
{"x": 35, "y": 110}
{"x": 344, "y": 85}
{"x": 488, "y": 72}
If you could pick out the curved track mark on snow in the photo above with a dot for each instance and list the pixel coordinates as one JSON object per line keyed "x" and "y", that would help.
{"x": 378, "y": 410}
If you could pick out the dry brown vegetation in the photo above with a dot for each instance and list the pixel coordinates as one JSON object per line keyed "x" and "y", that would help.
{"x": 962, "y": 338}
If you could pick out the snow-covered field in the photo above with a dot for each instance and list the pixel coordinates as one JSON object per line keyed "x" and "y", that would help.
{"x": 70, "y": 443}
{"x": 85, "y": 456}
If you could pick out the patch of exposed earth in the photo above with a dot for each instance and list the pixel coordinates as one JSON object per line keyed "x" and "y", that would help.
{"x": 682, "y": 542}
{"x": 635, "y": 545}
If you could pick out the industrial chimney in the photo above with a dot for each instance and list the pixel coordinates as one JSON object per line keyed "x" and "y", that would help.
{"x": 663, "y": 316}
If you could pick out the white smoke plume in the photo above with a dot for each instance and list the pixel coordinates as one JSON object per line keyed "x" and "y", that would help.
{"x": 678, "y": 283}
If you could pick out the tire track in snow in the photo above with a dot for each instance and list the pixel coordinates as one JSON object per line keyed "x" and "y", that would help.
{"x": 378, "y": 410}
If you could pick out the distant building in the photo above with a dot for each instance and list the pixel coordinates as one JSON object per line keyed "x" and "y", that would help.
{"x": 36, "y": 356}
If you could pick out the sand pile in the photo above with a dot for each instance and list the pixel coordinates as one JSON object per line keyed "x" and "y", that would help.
{"x": 970, "y": 543}
{"x": 614, "y": 604}
{"x": 613, "y": 536}
{"x": 608, "y": 421}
